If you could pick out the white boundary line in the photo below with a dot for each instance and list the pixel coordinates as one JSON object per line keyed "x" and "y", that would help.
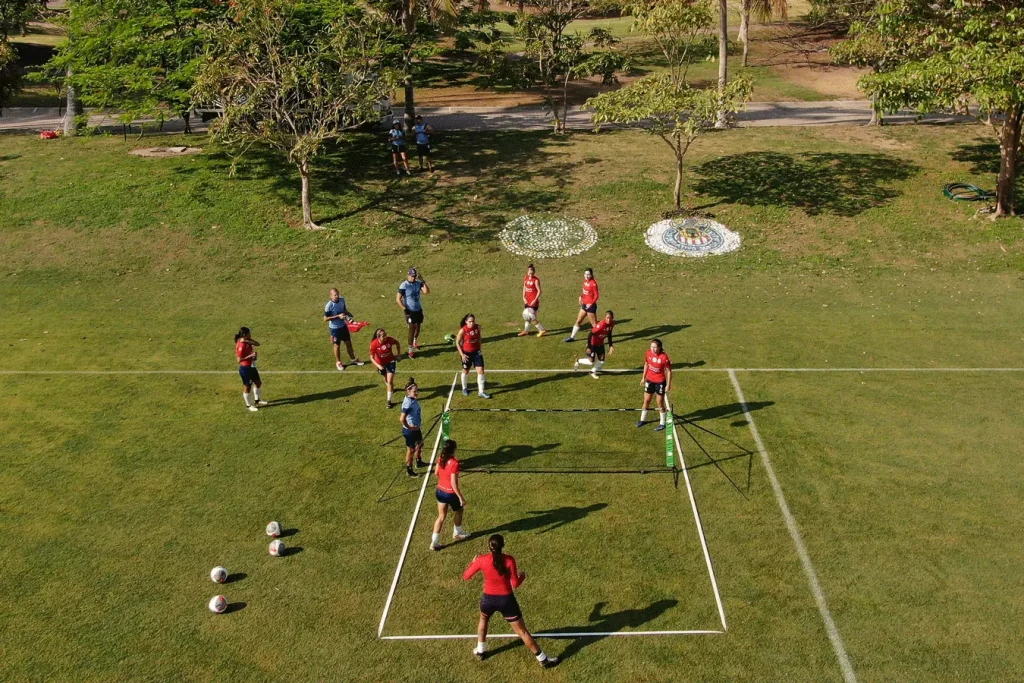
{"x": 801, "y": 549}
{"x": 696, "y": 518}
{"x": 415, "y": 516}
{"x": 581, "y": 634}
{"x": 491, "y": 370}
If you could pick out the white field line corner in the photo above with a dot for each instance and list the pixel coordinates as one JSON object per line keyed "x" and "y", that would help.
{"x": 415, "y": 516}
{"x": 696, "y": 518}
{"x": 794, "y": 532}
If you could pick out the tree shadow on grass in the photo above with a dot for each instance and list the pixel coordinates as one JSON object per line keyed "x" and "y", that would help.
{"x": 504, "y": 455}
{"x": 982, "y": 156}
{"x": 543, "y": 521}
{"x": 842, "y": 184}
{"x": 320, "y": 396}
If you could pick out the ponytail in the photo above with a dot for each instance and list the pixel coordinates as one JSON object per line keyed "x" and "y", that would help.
{"x": 496, "y": 543}
{"x": 410, "y": 384}
{"x": 448, "y": 452}
{"x": 242, "y": 332}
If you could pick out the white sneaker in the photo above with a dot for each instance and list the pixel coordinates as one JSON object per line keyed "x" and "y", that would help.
{"x": 340, "y": 366}
{"x": 260, "y": 402}
{"x": 594, "y": 375}
{"x": 435, "y": 546}
{"x": 460, "y": 537}
{"x": 359, "y": 362}
{"x": 253, "y": 409}
{"x": 576, "y": 365}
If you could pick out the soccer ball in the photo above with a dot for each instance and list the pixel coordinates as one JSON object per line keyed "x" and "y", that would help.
{"x": 273, "y": 530}
{"x": 218, "y": 604}
{"x": 218, "y": 574}
{"x": 277, "y": 548}
{"x": 529, "y": 314}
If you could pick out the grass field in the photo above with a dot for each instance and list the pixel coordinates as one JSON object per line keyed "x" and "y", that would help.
{"x": 119, "y": 492}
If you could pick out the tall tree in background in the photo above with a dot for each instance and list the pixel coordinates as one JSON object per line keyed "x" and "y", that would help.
{"x": 722, "y": 118}
{"x": 665, "y": 104}
{"x": 948, "y": 55}
{"x": 762, "y": 10}
{"x": 293, "y": 76}
{"x": 14, "y": 17}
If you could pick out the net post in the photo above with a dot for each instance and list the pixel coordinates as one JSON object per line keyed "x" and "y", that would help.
{"x": 670, "y": 456}
{"x": 446, "y": 426}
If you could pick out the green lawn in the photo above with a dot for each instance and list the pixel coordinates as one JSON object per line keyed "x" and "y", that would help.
{"x": 119, "y": 492}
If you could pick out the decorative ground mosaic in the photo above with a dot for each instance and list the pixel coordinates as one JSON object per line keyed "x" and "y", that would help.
{"x": 543, "y": 236}
{"x": 691, "y": 237}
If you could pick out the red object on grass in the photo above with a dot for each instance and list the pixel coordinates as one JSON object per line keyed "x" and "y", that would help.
{"x": 49, "y": 134}
{"x": 356, "y": 326}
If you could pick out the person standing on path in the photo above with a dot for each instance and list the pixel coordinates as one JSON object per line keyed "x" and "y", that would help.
{"x": 588, "y": 303}
{"x": 423, "y": 132}
{"x": 531, "y": 302}
{"x": 412, "y": 422}
{"x": 408, "y": 299}
{"x": 501, "y": 578}
{"x": 336, "y": 316}
{"x": 397, "y": 138}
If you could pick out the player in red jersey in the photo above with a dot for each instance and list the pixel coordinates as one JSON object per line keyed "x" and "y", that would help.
{"x": 467, "y": 343}
{"x": 656, "y": 381}
{"x": 245, "y": 352}
{"x": 449, "y": 495}
{"x": 588, "y": 303}
{"x": 384, "y": 353}
{"x": 595, "y": 344}
{"x": 501, "y": 576}
{"x": 531, "y": 302}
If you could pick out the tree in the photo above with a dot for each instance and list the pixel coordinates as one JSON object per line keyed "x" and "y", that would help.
{"x": 293, "y": 76}
{"x": 665, "y": 104}
{"x": 136, "y": 57}
{"x": 721, "y": 119}
{"x": 762, "y": 10}
{"x": 948, "y": 55}
{"x": 14, "y": 17}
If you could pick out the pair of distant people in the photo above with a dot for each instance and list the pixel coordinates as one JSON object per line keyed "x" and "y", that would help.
{"x": 421, "y": 132}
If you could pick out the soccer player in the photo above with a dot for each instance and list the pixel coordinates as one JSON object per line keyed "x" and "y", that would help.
{"x": 423, "y": 131}
{"x": 411, "y": 420}
{"x": 467, "y": 342}
{"x": 245, "y": 352}
{"x": 588, "y": 303}
{"x": 531, "y": 302}
{"x": 448, "y": 495}
{"x": 501, "y": 577}
{"x": 384, "y": 353}
{"x": 656, "y": 381}
{"x": 336, "y": 316}
{"x": 595, "y": 344}
{"x": 397, "y": 138}
{"x": 408, "y": 299}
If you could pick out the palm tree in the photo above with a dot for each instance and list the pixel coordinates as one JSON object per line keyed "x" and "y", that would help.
{"x": 764, "y": 11}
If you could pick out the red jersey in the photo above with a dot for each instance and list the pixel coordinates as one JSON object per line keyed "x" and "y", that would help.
{"x": 590, "y": 294}
{"x": 243, "y": 349}
{"x": 445, "y": 474}
{"x": 383, "y": 350}
{"x": 494, "y": 583}
{"x": 657, "y": 363}
{"x": 531, "y": 290}
{"x": 470, "y": 338}
{"x": 601, "y": 331}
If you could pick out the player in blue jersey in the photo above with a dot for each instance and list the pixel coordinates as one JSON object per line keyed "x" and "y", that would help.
{"x": 336, "y": 316}
{"x": 412, "y": 424}
{"x": 396, "y": 136}
{"x": 422, "y": 131}
{"x": 408, "y": 299}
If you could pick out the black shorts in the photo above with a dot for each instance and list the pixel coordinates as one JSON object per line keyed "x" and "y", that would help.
{"x": 340, "y": 335}
{"x": 390, "y": 367}
{"x": 249, "y": 375}
{"x": 595, "y": 351}
{"x": 589, "y": 308}
{"x": 413, "y": 437}
{"x": 654, "y": 387}
{"x": 413, "y": 317}
{"x": 473, "y": 359}
{"x": 397, "y": 149}
{"x": 423, "y": 150}
{"x": 449, "y": 499}
{"x": 506, "y": 604}
{"x": 535, "y": 306}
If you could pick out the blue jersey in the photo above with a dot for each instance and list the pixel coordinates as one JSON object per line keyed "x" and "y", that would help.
{"x": 411, "y": 293}
{"x": 422, "y": 137}
{"x": 412, "y": 411}
{"x": 333, "y": 308}
{"x": 397, "y": 136}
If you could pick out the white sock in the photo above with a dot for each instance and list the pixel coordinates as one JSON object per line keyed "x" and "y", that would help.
{"x": 575, "y": 329}
{"x": 481, "y": 646}
{"x": 465, "y": 381}
{"x": 248, "y": 400}
{"x": 585, "y": 361}
{"x": 458, "y": 531}
{"x": 643, "y": 415}
{"x": 415, "y": 340}
{"x": 526, "y": 326}
{"x": 597, "y": 365}
{"x": 540, "y": 328}
{"x": 435, "y": 539}
{"x": 390, "y": 394}
{"x": 480, "y": 382}
{"x": 256, "y": 393}
{"x": 661, "y": 417}
{"x": 542, "y": 656}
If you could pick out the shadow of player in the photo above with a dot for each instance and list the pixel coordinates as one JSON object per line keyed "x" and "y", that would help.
{"x": 544, "y": 521}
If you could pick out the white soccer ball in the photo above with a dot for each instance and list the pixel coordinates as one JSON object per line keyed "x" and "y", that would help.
{"x": 529, "y": 314}
{"x": 218, "y": 604}
{"x": 273, "y": 530}
{"x": 277, "y": 548}
{"x": 218, "y": 574}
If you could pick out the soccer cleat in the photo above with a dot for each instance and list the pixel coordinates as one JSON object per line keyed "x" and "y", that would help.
{"x": 390, "y": 405}
{"x": 398, "y": 173}
{"x": 409, "y": 471}
{"x": 576, "y": 365}
{"x": 549, "y": 662}
{"x": 416, "y": 345}
{"x": 659, "y": 428}
{"x": 523, "y": 333}
{"x": 435, "y": 546}
{"x": 358, "y": 362}
{"x": 260, "y": 402}
{"x": 412, "y": 355}
{"x": 595, "y": 375}
{"x": 640, "y": 423}
{"x": 340, "y": 366}
{"x": 542, "y": 333}
{"x": 465, "y": 392}
{"x": 483, "y": 395}
{"x": 420, "y": 463}
{"x": 569, "y": 339}
{"x": 253, "y": 409}
{"x": 460, "y": 537}
{"x": 481, "y": 656}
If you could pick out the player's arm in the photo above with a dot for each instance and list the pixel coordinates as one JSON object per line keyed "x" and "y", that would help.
{"x": 404, "y": 419}
{"x": 458, "y": 343}
{"x": 400, "y": 298}
{"x": 398, "y": 353}
{"x": 471, "y": 570}
{"x": 426, "y": 287}
{"x": 517, "y": 576}
{"x": 611, "y": 344}
{"x": 643, "y": 375}
{"x": 668, "y": 378}
{"x": 537, "y": 298}
{"x": 455, "y": 487}
{"x": 526, "y": 302}
{"x": 253, "y": 342}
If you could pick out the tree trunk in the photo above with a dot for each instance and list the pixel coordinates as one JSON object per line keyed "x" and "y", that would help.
{"x": 677, "y": 193}
{"x": 876, "y": 118}
{"x": 1009, "y": 149}
{"x": 409, "y": 27}
{"x": 723, "y": 60}
{"x": 187, "y": 116}
{"x": 307, "y": 209}
{"x": 69, "y": 114}
{"x": 745, "y": 29}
